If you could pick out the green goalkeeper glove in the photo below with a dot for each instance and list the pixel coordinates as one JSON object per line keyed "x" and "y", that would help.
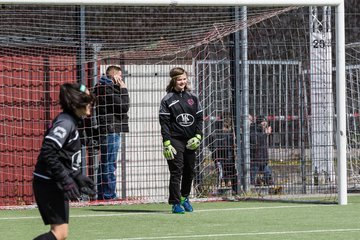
{"x": 169, "y": 151}
{"x": 194, "y": 143}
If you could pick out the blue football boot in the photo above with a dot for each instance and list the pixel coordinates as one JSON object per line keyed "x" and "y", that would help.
{"x": 186, "y": 204}
{"x": 177, "y": 208}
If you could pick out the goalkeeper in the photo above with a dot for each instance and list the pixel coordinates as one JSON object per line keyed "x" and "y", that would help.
{"x": 57, "y": 178}
{"x": 181, "y": 121}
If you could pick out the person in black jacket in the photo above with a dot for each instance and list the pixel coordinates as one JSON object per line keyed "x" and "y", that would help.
{"x": 259, "y": 157}
{"x": 222, "y": 145}
{"x": 181, "y": 122}
{"x": 112, "y": 107}
{"x": 57, "y": 174}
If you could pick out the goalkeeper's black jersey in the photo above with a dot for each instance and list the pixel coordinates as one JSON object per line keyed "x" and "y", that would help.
{"x": 180, "y": 116}
{"x": 60, "y": 153}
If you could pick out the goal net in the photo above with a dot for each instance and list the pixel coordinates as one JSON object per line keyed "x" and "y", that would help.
{"x": 287, "y": 80}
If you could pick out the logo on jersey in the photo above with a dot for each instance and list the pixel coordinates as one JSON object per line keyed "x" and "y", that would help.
{"x": 60, "y": 132}
{"x": 76, "y": 160}
{"x": 185, "y": 119}
{"x": 76, "y": 136}
{"x": 190, "y": 101}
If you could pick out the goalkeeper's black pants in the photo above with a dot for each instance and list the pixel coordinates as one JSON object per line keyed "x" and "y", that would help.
{"x": 181, "y": 171}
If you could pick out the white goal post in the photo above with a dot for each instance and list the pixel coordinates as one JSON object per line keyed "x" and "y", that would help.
{"x": 340, "y": 53}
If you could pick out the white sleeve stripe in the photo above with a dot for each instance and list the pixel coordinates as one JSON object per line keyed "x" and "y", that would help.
{"x": 199, "y": 111}
{"x": 55, "y": 140}
{"x": 40, "y": 175}
{"x": 164, "y": 113}
{"x": 173, "y": 103}
{"x": 76, "y": 137}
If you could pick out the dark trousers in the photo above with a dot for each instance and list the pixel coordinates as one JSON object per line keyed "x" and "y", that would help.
{"x": 262, "y": 168}
{"x": 181, "y": 171}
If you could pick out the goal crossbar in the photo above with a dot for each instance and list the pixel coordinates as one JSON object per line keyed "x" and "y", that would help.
{"x": 268, "y": 3}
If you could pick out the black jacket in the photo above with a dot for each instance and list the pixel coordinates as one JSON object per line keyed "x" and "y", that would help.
{"x": 60, "y": 154}
{"x": 258, "y": 144}
{"x": 112, "y": 106}
{"x": 222, "y": 142}
{"x": 180, "y": 116}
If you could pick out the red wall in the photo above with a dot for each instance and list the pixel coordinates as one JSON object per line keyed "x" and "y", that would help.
{"x": 28, "y": 102}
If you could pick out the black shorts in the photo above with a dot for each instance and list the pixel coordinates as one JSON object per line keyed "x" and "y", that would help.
{"x": 53, "y": 207}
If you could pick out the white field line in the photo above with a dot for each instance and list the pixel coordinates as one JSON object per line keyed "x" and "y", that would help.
{"x": 238, "y": 234}
{"x": 165, "y": 213}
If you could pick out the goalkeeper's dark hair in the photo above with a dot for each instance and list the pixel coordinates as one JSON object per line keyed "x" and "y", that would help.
{"x": 74, "y": 96}
{"x": 174, "y": 73}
